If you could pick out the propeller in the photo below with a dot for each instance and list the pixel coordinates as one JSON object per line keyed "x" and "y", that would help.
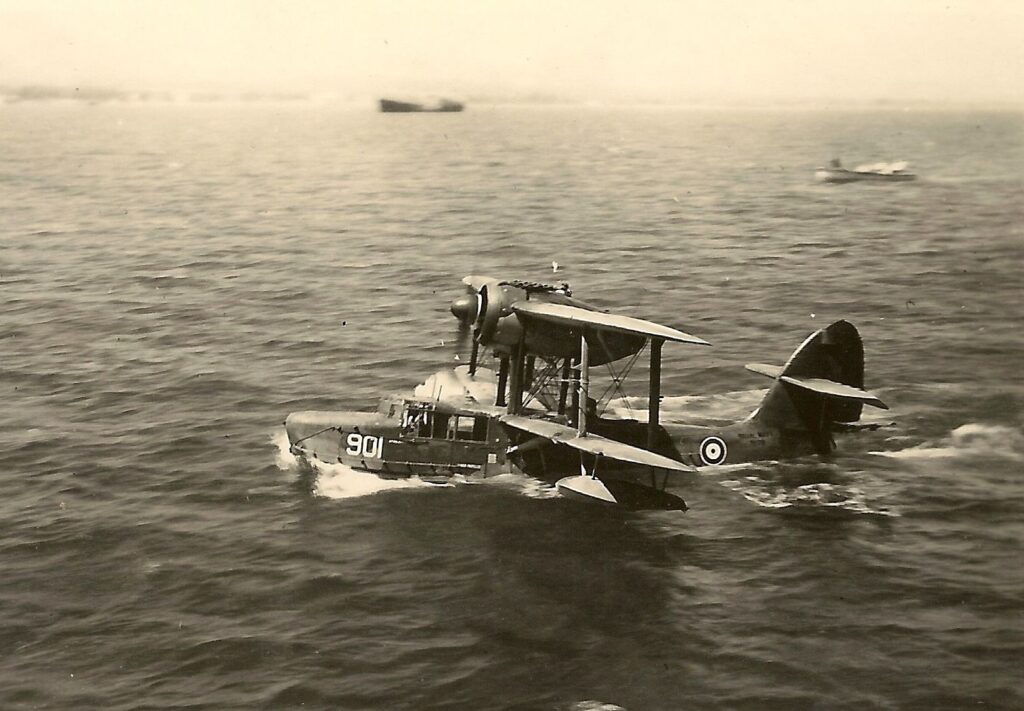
{"x": 488, "y": 308}
{"x": 464, "y": 309}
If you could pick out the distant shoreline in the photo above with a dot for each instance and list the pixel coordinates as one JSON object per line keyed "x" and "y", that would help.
{"x": 95, "y": 95}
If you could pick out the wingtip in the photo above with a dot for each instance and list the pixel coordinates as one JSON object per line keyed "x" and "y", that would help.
{"x": 877, "y": 402}
{"x": 683, "y": 337}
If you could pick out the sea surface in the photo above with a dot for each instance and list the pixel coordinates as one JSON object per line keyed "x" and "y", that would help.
{"x": 176, "y": 279}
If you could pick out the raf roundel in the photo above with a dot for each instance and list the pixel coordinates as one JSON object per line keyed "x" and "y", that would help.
{"x": 713, "y": 450}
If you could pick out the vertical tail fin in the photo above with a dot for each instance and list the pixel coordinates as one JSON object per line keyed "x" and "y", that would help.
{"x": 822, "y": 383}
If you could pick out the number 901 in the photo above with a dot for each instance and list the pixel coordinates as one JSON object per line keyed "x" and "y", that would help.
{"x": 365, "y": 446}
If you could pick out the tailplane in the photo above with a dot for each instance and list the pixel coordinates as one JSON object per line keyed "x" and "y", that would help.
{"x": 821, "y": 384}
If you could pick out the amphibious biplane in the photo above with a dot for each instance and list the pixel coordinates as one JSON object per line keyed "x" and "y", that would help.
{"x": 536, "y": 415}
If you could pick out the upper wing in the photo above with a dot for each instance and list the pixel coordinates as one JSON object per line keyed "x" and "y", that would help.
{"x": 573, "y": 316}
{"x": 593, "y": 444}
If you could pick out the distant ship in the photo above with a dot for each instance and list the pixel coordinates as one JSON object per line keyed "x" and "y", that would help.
{"x": 882, "y": 172}
{"x": 390, "y": 106}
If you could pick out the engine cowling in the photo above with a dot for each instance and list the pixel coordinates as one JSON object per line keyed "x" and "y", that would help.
{"x": 490, "y": 309}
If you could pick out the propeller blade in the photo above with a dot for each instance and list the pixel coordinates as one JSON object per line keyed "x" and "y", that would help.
{"x": 473, "y": 356}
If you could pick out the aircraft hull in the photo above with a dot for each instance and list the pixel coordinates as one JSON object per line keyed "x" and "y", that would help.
{"x": 380, "y": 444}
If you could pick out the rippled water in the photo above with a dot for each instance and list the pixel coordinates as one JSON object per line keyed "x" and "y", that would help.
{"x": 175, "y": 280}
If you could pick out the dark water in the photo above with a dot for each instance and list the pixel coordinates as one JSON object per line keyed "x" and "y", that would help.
{"x": 176, "y": 280}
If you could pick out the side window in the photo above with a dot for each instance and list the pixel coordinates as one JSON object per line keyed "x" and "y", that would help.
{"x": 468, "y": 428}
{"x": 480, "y": 429}
{"x": 440, "y": 425}
{"x": 465, "y": 428}
{"x": 417, "y": 422}
{"x": 426, "y": 420}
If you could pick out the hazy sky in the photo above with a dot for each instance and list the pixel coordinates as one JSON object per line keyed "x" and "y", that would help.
{"x": 952, "y": 50}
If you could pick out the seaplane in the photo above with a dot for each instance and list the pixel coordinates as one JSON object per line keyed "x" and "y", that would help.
{"x": 881, "y": 172}
{"x": 535, "y": 414}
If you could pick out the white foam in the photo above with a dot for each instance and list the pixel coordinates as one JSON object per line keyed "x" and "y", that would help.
{"x": 592, "y": 705}
{"x": 458, "y": 386}
{"x": 681, "y": 409}
{"x": 920, "y": 452}
{"x": 524, "y": 485}
{"x": 820, "y": 495}
{"x": 971, "y": 440}
{"x": 337, "y": 481}
{"x": 285, "y": 460}
{"x": 730, "y": 468}
{"x": 883, "y": 167}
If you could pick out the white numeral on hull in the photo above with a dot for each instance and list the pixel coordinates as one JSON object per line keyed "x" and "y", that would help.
{"x": 365, "y": 446}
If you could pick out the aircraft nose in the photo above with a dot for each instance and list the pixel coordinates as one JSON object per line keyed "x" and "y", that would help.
{"x": 464, "y": 308}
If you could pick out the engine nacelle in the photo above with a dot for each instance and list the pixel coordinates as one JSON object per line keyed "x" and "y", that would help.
{"x": 508, "y": 331}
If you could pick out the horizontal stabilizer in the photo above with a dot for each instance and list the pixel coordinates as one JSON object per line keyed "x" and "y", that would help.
{"x": 772, "y": 371}
{"x": 593, "y": 444}
{"x": 821, "y": 386}
{"x": 834, "y": 389}
{"x": 862, "y": 426}
{"x": 575, "y": 317}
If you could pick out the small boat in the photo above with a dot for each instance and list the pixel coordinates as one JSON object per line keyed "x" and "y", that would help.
{"x": 390, "y": 106}
{"x": 876, "y": 172}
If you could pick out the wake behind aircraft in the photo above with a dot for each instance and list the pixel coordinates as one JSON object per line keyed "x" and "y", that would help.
{"x": 536, "y": 416}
